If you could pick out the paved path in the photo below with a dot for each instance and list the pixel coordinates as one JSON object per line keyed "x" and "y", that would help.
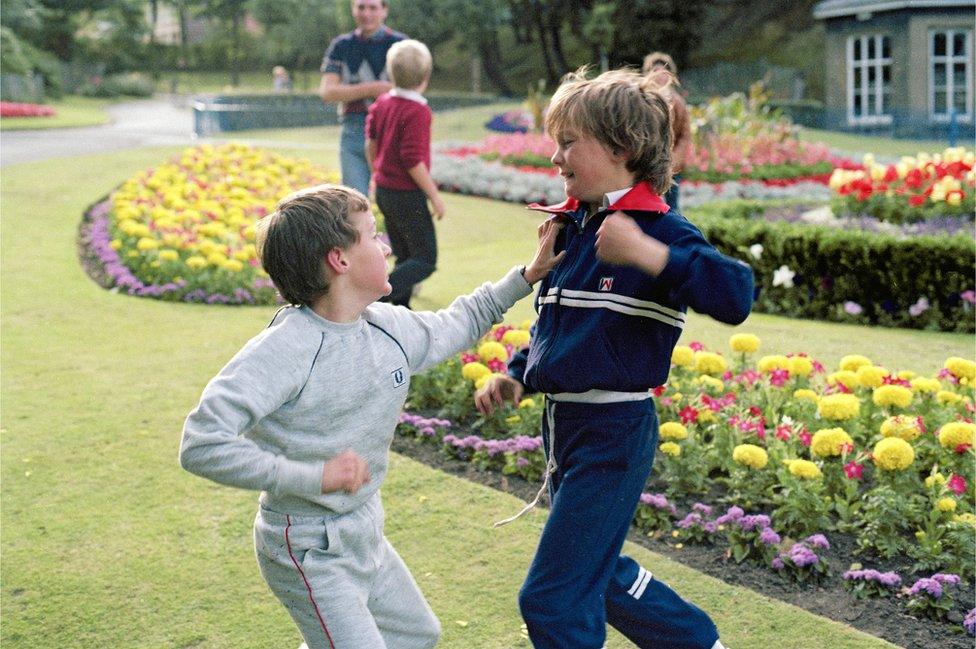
{"x": 150, "y": 122}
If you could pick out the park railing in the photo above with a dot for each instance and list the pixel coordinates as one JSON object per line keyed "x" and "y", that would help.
{"x": 248, "y": 112}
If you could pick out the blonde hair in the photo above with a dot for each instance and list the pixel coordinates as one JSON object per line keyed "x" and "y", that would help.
{"x": 409, "y": 63}
{"x": 662, "y": 59}
{"x": 623, "y": 110}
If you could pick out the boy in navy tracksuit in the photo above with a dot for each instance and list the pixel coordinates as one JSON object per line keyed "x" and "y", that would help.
{"x": 609, "y": 316}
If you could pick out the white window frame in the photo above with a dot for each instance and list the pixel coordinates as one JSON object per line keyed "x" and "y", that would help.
{"x": 879, "y": 62}
{"x": 949, "y": 60}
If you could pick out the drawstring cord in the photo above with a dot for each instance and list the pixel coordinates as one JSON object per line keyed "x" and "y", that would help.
{"x": 550, "y": 468}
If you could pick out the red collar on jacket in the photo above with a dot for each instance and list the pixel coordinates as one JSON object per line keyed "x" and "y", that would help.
{"x": 640, "y": 197}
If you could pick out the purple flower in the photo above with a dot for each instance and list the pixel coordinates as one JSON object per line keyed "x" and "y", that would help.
{"x": 658, "y": 501}
{"x": 748, "y": 523}
{"x": 970, "y": 622}
{"x": 928, "y": 585}
{"x": 711, "y": 527}
{"x": 802, "y": 556}
{"x": 853, "y": 308}
{"x": 691, "y": 520}
{"x": 969, "y": 296}
{"x": 521, "y": 462}
{"x": 731, "y": 516}
{"x": 769, "y": 536}
{"x": 946, "y": 578}
{"x": 818, "y": 541}
{"x": 702, "y": 508}
{"x": 777, "y": 564}
{"x": 887, "y": 579}
{"x": 919, "y": 307}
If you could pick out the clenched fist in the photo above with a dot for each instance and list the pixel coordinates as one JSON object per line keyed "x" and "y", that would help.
{"x": 345, "y": 472}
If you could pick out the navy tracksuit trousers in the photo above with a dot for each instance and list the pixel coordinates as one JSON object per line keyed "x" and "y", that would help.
{"x": 579, "y": 581}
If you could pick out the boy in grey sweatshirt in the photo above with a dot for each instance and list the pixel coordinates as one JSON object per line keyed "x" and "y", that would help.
{"x": 306, "y": 412}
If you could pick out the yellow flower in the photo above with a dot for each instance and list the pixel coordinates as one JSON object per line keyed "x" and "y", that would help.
{"x": 474, "y": 371}
{"x": 935, "y": 479}
{"x": 750, "y": 455}
{"x": 527, "y": 402}
{"x": 526, "y": 324}
{"x": 706, "y": 416}
{"x": 871, "y": 376}
{"x": 774, "y": 362}
{"x": 804, "y": 394}
{"x": 893, "y": 454}
{"x": 168, "y": 255}
{"x": 800, "y": 366}
{"x": 847, "y": 378}
{"x": 492, "y": 351}
{"x": 744, "y": 343}
{"x": 924, "y": 385}
{"x": 966, "y": 518}
{"x": 513, "y": 419}
{"x": 709, "y": 363}
{"x": 672, "y": 430}
{"x": 115, "y": 244}
{"x": 707, "y": 381}
{"x": 805, "y": 469}
{"x": 961, "y": 368}
{"x": 670, "y": 448}
{"x": 892, "y": 395}
{"x": 232, "y": 265}
{"x": 829, "y": 442}
{"x": 146, "y": 243}
{"x": 216, "y": 258}
{"x": 852, "y": 362}
{"x": 955, "y": 433}
{"x": 196, "y": 262}
{"x": 517, "y": 338}
{"x": 903, "y": 426}
{"x": 946, "y": 504}
{"x": 683, "y": 356}
{"x": 906, "y": 375}
{"x": 839, "y": 407}
{"x": 944, "y": 397}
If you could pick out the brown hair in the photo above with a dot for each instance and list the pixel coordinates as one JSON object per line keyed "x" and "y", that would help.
{"x": 293, "y": 241}
{"x": 408, "y": 63}
{"x": 659, "y": 58}
{"x": 623, "y": 110}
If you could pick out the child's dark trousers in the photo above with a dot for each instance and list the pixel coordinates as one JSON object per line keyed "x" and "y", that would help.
{"x": 412, "y": 238}
{"x": 578, "y": 581}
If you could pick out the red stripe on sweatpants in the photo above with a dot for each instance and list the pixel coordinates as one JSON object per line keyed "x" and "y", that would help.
{"x": 308, "y": 586}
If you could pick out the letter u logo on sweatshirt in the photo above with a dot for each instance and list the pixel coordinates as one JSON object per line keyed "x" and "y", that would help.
{"x": 399, "y": 377}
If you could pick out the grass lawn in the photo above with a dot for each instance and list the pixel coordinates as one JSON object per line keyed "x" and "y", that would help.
{"x": 881, "y": 146}
{"x": 71, "y": 111}
{"x": 107, "y": 543}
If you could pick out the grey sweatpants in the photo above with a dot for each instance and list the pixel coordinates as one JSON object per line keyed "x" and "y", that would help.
{"x": 342, "y": 582}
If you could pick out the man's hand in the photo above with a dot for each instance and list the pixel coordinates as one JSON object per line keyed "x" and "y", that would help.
{"x": 345, "y": 472}
{"x": 440, "y": 210}
{"x": 621, "y": 241}
{"x": 496, "y": 391}
{"x": 544, "y": 260}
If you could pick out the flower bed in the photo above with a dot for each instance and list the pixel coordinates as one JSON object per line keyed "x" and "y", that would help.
{"x": 914, "y": 189}
{"x": 185, "y": 230}
{"x": 15, "y": 109}
{"x": 795, "y": 455}
{"x": 811, "y": 264}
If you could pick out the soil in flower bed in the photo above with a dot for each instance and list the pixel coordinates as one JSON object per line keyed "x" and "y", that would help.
{"x": 882, "y": 617}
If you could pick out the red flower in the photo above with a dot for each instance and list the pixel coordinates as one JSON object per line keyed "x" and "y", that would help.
{"x": 689, "y": 415}
{"x": 853, "y": 470}
{"x": 659, "y": 390}
{"x": 805, "y": 438}
{"x": 916, "y": 201}
{"x": 957, "y": 484}
{"x": 962, "y": 448}
{"x": 496, "y": 365}
{"x": 755, "y": 411}
{"x": 846, "y": 448}
{"x": 468, "y": 358}
{"x": 784, "y": 432}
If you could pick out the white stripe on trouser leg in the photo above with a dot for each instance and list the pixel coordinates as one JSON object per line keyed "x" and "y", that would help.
{"x": 640, "y": 589}
{"x": 641, "y": 572}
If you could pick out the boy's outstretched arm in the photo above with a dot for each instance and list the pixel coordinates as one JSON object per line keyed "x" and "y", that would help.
{"x": 698, "y": 275}
{"x": 429, "y": 337}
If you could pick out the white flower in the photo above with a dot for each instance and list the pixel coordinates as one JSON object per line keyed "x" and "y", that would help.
{"x": 783, "y": 276}
{"x": 756, "y": 250}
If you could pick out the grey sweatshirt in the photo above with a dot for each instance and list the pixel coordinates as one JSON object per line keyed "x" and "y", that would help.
{"x": 305, "y": 389}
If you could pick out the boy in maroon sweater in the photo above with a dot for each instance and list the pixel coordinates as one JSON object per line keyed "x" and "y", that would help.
{"x": 398, "y": 149}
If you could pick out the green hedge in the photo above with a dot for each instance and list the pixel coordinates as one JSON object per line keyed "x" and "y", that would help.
{"x": 883, "y": 274}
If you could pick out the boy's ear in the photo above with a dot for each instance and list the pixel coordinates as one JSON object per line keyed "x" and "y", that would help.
{"x": 337, "y": 261}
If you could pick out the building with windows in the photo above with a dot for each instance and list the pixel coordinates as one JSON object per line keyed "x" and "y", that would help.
{"x": 900, "y": 66}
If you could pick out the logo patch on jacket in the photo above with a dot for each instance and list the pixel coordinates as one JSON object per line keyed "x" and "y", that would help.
{"x": 399, "y": 377}
{"x": 606, "y": 283}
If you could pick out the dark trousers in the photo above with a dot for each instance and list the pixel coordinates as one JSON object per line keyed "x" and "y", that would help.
{"x": 579, "y": 581}
{"x": 412, "y": 237}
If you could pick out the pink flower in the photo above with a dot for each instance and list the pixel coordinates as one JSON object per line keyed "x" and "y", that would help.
{"x": 784, "y": 432}
{"x": 853, "y": 470}
{"x": 688, "y": 415}
{"x": 969, "y": 296}
{"x": 805, "y": 438}
{"x": 957, "y": 484}
{"x": 696, "y": 346}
